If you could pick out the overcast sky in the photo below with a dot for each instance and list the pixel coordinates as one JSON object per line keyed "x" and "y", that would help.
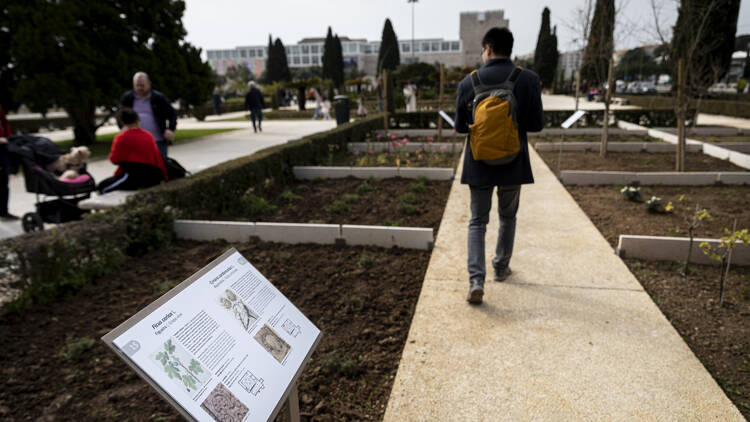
{"x": 216, "y": 24}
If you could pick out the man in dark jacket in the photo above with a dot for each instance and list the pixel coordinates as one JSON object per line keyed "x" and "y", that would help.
{"x": 154, "y": 111}
{"x": 482, "y": 178}
{"x": 255, "y": 103}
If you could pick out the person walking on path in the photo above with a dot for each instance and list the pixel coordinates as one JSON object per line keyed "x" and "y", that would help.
{"x": 255, "y": 103}
{"x": 5, "y": 132}
{"x": 482, "y": 178}
{"x": 216, "y": 97}
{"x": 154, "y": 111}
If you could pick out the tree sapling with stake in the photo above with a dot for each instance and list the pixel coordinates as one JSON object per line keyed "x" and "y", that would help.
{"x": 723, "y": 253}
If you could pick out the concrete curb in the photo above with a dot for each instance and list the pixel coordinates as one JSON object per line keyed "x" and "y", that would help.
{"x": 657, "y": 248}
{"x": 447, "y": 133}
{"x": 656, "y": 147}
{"x": 355, "y": 147}
{"x": 313, "y": 172}
{"x": 323, "y": 234}
{"x": 583, "y": 177}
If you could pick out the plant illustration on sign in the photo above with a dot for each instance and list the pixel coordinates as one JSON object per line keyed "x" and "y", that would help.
{"x": 242, "y": 312}
{"x": 176, "y": 369}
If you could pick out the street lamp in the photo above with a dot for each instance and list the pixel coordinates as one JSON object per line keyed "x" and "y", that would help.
{"x": 412, "y": 28}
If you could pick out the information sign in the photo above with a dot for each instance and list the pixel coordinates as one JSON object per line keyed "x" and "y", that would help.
{"x": 572, "y": 119}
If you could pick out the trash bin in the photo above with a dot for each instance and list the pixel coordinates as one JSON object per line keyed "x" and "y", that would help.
{"x": 341, "y": 107}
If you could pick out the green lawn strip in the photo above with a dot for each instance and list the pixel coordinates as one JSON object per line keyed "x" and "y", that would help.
{"x": 104, "y": 142}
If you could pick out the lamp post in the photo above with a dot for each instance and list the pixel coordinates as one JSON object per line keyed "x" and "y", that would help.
{"x": 412, "y": 28}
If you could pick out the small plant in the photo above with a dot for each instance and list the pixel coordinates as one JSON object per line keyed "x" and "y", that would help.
{"x": 419, "y": 185}
{"x": 723, "y": 253}
{"x": 75, "y": 348}
{"x": 393, "y": 223}
{"x": 165, "y": 286}
{"x": 332, "y": 148}
{"x": 366, "y": 261}
{"x": 318, "y": 179}
{"x": 302, "y": 188}
{"x": 381, "y": 159}
{"x": 695, "y": 221}
{"x": 631, "y": 193}
{"x": 409, "y": 198}
{"x": 257, "y": 205}
{"x": 655, "y": 205}
{"x": 350, "y": 198}
{"x": 284, "y": 256}
{"x": 364, "y": 187}
{"x": 339, "y": 206}
{"x": 289, "y": 197}
{"x": 336, "y": 364}
{"x": 406, "y": 204}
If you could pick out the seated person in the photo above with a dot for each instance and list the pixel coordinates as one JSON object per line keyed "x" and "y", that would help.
{"x": 134, "y": 151}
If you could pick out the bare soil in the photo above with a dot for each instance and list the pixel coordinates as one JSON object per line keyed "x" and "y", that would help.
{"x": 362, "y": 299}
{"x": 533, "y": 138}
{"x": 634, "y": 161}
{"x": 427, "y": 158}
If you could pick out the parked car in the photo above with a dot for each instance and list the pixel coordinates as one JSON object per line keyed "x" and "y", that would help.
{"x": 647, "y": 88}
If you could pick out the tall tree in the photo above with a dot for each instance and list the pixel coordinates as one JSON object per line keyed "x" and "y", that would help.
{"x": 704, "y": 39}
{"x": 388, "y": 56}
{"x": 284, "y": 74}
{"x": 337, "y": 63}
{"x": 82, "y": 55}
{"x": 600, "y": 44}
{"x": 328, "y": 53}
{"x": 546, "y": 54}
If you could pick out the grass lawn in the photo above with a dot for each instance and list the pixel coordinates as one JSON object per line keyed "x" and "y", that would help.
{"x": 104, "y": 142}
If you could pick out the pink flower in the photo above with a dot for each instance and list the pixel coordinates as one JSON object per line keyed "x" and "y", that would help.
{"x": 393, "y": 137}
{"x": 377, "y": 137}
{"x": 370, "y": 152}
{"x": 443, "y": 147}
{"x": 405, "y": 141}
{"x": 395, "y": 144}
{"x": 430, "y": 139}
{"x": 395, "y": 133}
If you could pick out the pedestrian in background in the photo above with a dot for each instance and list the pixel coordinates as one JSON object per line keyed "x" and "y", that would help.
{"x": 156, "y": 114}
{"x": 255, "y": 103}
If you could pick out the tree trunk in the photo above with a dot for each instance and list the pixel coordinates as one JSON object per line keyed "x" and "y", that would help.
{"x": 578, "y": 85}
{"x": 440, "y": 102}
{"x": 681, "y": 115}
{"x": 84, "y": 125}
{"x": 607, "y": 99}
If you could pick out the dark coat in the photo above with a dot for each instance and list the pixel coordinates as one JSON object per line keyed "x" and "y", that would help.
{"x": 164, "y": 113}
{"x": 254, "y": 100}
{"x": 528, "y": 93}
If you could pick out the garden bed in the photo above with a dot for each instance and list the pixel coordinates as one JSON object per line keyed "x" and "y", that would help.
{"x": 386, "y": 202}
{"x": 719, "y": 336}
{"x": 721, "y": 139}
{"x": 634, "y": 161}
{"x": 361, "y": 298}
{"x": 427, "y": 158}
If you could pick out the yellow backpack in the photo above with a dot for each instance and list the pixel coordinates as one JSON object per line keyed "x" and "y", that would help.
{"x": 494, "y": 134}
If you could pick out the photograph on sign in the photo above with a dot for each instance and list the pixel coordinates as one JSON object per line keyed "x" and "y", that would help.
{"x": 225, "y": 345}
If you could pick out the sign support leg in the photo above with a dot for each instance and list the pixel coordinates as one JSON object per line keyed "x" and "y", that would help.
{"x": 293, "y": 404}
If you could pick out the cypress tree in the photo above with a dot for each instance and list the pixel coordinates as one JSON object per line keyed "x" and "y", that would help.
{"x": 272, "y": 70}
{"x": 283, "y": 63}
{"x": 546, "y": 54}
{"x": 328, "y": 52}
{"x": 704, "y": 38}
{"x": 600, "y": 43}
{"x": 337, "y": 62}
{"x": 388, "y": 57}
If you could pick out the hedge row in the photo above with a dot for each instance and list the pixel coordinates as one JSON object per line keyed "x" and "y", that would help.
{"x": 56, "y": 262}
{"x": 739, "y": 107}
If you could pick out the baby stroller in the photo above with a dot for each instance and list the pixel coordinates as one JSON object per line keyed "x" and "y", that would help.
{"x": 32, "y": 154}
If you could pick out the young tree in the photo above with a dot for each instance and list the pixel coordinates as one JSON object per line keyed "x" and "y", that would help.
{"x": 337, "y": 63}
{"x": 82, "y": 55}
{"x": 388, "y": 56}
{"x": 272, "y": 63}
{"x": 284, "y": 73}
{"x": 546, "y": 54}
{"x": 328, "y": 53}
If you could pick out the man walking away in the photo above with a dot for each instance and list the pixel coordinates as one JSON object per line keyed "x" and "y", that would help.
{"x": 154, "y": 111}
{"x": 255, "y": 103}
{"x": 483, "y": 176}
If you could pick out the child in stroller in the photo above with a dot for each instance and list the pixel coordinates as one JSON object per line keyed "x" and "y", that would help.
{"x": 37, "y": 156}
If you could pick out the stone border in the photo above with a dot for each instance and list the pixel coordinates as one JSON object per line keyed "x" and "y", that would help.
{"x": 657, "y": 248}
{"x": 323, "y": 234}
{"x": 314, "y": 172}
{"x": 613, "y": 147}
{"x": 709, "y": 131}
{"x": 447, "y": 132}
{"x": 585, "y": 177}
{"x": 735, "y": 157}
{"x": 363, "y": 147}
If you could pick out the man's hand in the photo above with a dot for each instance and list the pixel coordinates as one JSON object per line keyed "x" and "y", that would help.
{"x": 169, "y": 135}
{"x": 3, "y": 140}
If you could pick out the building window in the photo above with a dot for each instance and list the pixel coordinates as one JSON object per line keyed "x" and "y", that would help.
{"x": 305, "y": 49}
{"x": 314, "y": 49}
{"x": 294, "y": 49}
{"x": 436, "y": 46}
{"x": 455, "y": 46}
{"x": 315, "y": 60}
{"x": 352, "y": 48}
{"x": 405, "y": 48}
{"x": 243, "y": 53}
{"x": 416, "y": 47}
{"x": 445, "y": 46}
{"x": 480, "y": 16}
{"x": 296, "y": 60}
{"x": 251, "y": 53}
{"x": 305, "y": 59}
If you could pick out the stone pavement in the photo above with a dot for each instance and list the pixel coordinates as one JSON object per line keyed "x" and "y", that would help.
{"x": 194, "y": 155}
{"x": 570, "y": 336}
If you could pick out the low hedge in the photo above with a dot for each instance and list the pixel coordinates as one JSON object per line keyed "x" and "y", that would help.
{"x": 61, "y": 261}
{"x": 736, "y": 107}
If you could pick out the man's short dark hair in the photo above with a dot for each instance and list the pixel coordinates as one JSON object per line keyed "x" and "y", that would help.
{"x": 500, "y": 41}
{"x": 127, "y": 116}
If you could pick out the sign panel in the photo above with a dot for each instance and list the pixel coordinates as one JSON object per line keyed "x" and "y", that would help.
{"x": 225, "y": 345}
{"x": 572, "y": 119}
{"x": 447, "y": 118}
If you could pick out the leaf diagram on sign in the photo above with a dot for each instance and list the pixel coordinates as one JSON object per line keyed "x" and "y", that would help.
{"x": 237, "y": 307}
{"x": 179, "y": 366}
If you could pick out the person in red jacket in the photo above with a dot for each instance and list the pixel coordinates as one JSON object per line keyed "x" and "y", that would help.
{"x": 134, "y": 150}
{"x": 5, "y": 132}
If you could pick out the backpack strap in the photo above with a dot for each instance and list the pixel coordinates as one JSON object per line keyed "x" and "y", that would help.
{"x": 514, "y": 75}
{"x": 475, "y": 81}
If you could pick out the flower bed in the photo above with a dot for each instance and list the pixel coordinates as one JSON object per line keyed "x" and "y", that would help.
{"x": 362, "y": 299}
{"x": 534, "y": 138}
{"x": 633, "y": 161}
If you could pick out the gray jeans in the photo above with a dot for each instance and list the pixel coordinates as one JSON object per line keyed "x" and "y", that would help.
{"x": 481, "y": 203}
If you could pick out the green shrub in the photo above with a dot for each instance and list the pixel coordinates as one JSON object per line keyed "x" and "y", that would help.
{"x": 406, "y": 208}
{"x": 350, "y": 198}
{"x": 75, "y": 348}
{"x": 366, "y": 261}
{"x": 289, "y": 197}
{"x": 337, "y": 364}
{"x": 257, "y": 205}
{"x": 631, "y": 193}
{"x": 409, "y": 198}
{"x": 418, "y": 187}
{"x": 364, "y": 187}
{"x": 339, "y": 206}
{"x": 302, "y": 188}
